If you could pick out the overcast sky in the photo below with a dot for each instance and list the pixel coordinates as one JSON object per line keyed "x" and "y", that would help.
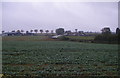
{"x": 84, "y": 16}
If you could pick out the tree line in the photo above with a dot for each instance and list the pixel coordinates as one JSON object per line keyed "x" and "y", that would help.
{"x": 107, "y": 37}
{"x": 31, "y": 31}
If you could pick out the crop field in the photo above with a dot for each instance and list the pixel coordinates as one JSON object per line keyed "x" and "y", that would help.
{"x": 58, "y": 58}
{"x": 82, "y": 37}
{"x": 26, "y": 38}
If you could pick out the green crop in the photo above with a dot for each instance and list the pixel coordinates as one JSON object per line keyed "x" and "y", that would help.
{"x": 59, "y": 57}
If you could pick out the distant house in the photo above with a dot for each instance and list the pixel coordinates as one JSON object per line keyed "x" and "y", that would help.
{"x": 81, "y": 33}
{"x": 12, "y": 34}
{"x": 28, "y": 34}
{"x": 69, "y": 33}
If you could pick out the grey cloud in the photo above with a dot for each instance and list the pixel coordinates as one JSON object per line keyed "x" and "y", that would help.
{"x": 87, "y": 16}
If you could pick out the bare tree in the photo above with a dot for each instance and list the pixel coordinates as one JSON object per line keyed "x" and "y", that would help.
{"x": 46, "y": 31}
{"x": 31, "y": 31}
{"x": 117, "y": 31}
{"x": 27, "y": 32}
{"x": 3, "y": 31}
{"x": 22, "y": 31}
{"x": 13, "y": 31}
{"x": 18, "y": 31}
{"x": 41, "y": 31}
{"x": 51, "y": 31}
{"x": 36, "y": 30}
{"x": 76, "y": 30}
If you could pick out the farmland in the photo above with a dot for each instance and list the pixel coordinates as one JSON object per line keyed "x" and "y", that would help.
{"x": 42, "y": 56}
{"x": 82, "y": 37}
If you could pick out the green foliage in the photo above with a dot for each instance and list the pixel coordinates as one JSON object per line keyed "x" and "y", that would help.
{"x": 117, "y": 31}
{"x": 63, "y": 38}
{"x": 82, "y": 37}
{"x": 36, "y": 30}
{"x": 25, "y": 38}
{"x": 60, "y": 31}
{"x": 77, "y": 38}
{"x": 106, "y": 38}
{"x": 106, "y": 31}
{"x": 58, "y": 58}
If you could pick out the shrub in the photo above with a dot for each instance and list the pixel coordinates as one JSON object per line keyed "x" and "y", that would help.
{"x": 102, "y": 38}
{"x": 63, "y": 38}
